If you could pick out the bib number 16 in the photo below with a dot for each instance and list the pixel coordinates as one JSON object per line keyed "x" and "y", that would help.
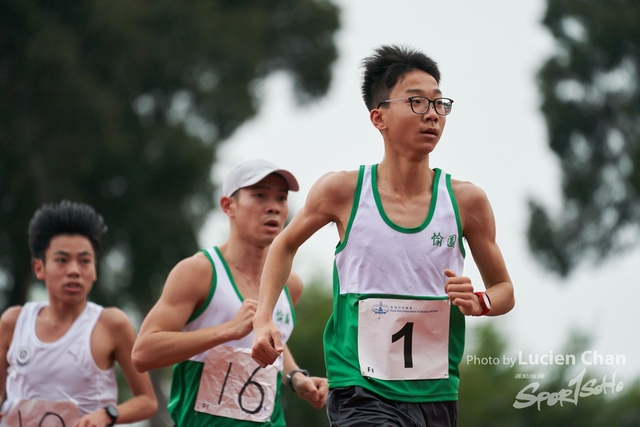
{"x": 232, "y": 385}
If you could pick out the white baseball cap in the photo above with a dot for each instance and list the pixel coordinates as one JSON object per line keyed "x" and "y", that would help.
{"x": 247, "y": 173}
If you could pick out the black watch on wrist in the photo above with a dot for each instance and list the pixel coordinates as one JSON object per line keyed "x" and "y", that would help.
{"x": 290, "y": 377}
{"x": 112, "y": 412}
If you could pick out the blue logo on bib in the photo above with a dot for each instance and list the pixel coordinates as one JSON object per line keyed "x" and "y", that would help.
{"x": 380, "y": 308}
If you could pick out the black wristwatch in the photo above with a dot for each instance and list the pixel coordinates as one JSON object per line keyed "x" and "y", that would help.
{"x": 112, "y": 412}
{"x": 290, "y": 377}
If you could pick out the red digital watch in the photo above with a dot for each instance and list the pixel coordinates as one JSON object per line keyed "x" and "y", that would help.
{"x": 485, "y": 302}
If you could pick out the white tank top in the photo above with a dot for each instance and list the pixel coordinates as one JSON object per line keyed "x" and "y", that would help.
{"x": 378, "y": 256}
{"x": 225, "y": 300}
{"x": 59, "y": 370}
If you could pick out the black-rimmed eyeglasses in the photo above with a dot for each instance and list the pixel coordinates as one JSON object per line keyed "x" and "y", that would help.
{"x": 420, "y": 104}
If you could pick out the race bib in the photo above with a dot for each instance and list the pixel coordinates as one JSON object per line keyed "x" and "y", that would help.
{"x": 233, "y": 385}
{"x": 42, "y": 413}
{"x": 403, "y": 339}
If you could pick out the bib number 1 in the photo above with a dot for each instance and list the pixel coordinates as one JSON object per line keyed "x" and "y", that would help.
{"x": 407, "y": 333}
{"x": 401, "y": 339}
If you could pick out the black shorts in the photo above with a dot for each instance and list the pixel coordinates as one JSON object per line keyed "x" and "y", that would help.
{"x": 358, "y": 407}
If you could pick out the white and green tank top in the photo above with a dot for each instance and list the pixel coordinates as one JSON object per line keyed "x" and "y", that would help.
{"x": 392, "y": 330}
{"x": 223, "y": 302}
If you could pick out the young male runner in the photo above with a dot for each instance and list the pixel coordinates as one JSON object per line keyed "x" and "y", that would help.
{"x": 396, "y": 336}
{"x": 64, "y": 349}
{"x": 203, "y": 320}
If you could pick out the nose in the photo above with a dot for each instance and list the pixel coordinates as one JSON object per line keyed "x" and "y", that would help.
{"x": 273, "y": 206}
{"x": 431, "y": 114}
{"x": 73, "y": 269}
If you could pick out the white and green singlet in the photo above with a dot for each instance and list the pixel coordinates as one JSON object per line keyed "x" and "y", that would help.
{"x": 224, "y": 386}
{"x": 393, "y": 330}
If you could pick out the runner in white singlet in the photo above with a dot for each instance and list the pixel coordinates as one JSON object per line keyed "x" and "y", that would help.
{"x": 396, "y": 335}
{"x": 57, "y": 357}
{"x": 202, "y": 323}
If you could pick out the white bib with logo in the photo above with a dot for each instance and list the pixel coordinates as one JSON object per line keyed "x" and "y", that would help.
{"x": 403, "y": 339}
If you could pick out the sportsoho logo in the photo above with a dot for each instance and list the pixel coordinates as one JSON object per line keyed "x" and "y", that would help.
{"x": 578, "y": 387}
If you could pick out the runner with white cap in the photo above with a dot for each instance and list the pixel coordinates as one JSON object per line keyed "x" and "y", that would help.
{"x": 202, "y": 322}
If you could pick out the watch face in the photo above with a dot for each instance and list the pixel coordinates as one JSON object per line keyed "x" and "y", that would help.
{"x": 486, "y": 300}
{"x": 112, "y": 412}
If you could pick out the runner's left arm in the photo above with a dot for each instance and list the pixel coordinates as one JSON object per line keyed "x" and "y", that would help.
{"x": 143, "y": 405}
{"x": 479, "y": 229}
{"x": 312, "y": 389}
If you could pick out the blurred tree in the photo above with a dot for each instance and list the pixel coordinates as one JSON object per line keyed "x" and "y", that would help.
{"x": 305, "y": 344}
{"x": 123, "y": 104}
{"x": 591, "y": 103}
{"x": 487, "y": 388}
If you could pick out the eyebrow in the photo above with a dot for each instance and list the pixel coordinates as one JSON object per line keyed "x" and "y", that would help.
{"x": 266, "y": 187}
{"x": 65, "y": 253}
{"x": 420, "y": 91}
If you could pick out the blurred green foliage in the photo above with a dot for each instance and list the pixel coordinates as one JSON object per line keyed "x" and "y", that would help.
{"x": 488, "y": 391}
{"x": 122, "y": 105}
{"x": 591, "y": 103}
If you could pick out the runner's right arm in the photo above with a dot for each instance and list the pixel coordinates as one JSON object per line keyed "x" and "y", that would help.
{"x": 161, "y": 341}
{"x": 329, "y": 200}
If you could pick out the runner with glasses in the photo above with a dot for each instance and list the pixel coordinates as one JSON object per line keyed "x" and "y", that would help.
{"x": 396, "y": 336}
{"x": 420, "y": 104}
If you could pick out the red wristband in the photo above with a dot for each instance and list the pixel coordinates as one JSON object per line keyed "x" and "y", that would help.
{"x": 485, "y": 302}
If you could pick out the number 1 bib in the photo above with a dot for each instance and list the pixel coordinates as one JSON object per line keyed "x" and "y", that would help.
{"x": 403, "y": 339}
{"x": 233, "y": 385}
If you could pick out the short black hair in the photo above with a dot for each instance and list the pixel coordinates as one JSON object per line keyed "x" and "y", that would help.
{"x": 68, "y": 218}
{"x": 387, "y": 66}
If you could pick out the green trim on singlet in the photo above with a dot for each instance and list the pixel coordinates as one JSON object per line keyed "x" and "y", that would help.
{"x": 214, "y": 280}
{"x": 354, "y": 209}
{"x": 235, "y": 287}
{"x": 182, "y": 400}
{"x": 229, "y": 275}
{"x": 396, "y": 296}
{"x": 387, "y": 220}
{"x": 293, "y": 311}
{"x": 457, "y": 212}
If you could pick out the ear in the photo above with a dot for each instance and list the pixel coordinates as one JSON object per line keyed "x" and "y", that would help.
{"x": 377, "y": 118}
{"x": 228, "y": 205}
{"x": 38, "y": 268}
